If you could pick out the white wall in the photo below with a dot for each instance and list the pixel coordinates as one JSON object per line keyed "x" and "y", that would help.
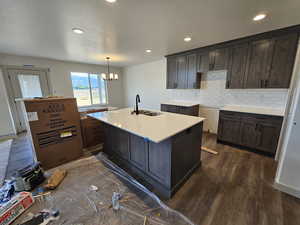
{"x": 6, "y": 123}
{"x": 149, "y": 80}
{"x": 287, "y": 177}
{"x": 60, "y": 79}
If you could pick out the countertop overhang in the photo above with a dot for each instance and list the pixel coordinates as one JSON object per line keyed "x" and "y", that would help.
{"x": 254, "y": 110}
{"x": 153, "y": 128}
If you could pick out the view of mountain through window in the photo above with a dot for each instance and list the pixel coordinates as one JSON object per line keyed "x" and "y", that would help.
{"x": 88, "y": 89}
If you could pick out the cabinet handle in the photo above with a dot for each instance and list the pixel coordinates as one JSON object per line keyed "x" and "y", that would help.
{"x": 261, "y": 83}
{"x": 227, "y": 84}
{"x": 266, "y": 83}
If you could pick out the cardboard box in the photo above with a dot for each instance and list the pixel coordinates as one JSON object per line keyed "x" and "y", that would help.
{"x": 54, "y": 126}
{"x": 15, "y": 207}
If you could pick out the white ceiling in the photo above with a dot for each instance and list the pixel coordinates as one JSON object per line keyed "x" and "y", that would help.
{"x": 124, "y": 30}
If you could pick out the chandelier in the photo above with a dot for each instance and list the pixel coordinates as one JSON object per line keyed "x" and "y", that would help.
{"x": 109, "y": 75}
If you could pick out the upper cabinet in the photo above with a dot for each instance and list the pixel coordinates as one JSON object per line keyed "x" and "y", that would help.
{"x": 182, "y": 72}
{"x": 171, "y": 73}
{"x": 261, "y": 61}
{"x": 283, "y": 58}
{"x": 218, "y": 59}
{"x": 237, "y": 65}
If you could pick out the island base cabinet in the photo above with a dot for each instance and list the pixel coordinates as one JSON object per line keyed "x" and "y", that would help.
{"x": 162, "y": 167}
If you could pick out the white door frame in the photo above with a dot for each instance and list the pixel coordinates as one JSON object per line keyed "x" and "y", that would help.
{"x": 10, "y": 92}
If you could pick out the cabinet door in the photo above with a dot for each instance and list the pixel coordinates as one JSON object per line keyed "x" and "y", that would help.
{"x": 229, "y": 128}
{"x": 218, "y": 59}
{"x": 193, "y": 78}
{"x": 120, "y": 142}
{"x": 285, "y": 48}
{"x": 237, "y": 66}
{"x": 138, "y": 151}
{"x": 268, "y": 136}
{"x": 181, "y": 72}
{"x": 249, "y": 132}
{"x": 171, "y": 73}
{"x": 203, "y": 62}
{"x": 259, "y": 63}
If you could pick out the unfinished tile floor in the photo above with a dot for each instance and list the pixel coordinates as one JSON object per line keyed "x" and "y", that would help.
{"x": 234, "y": 187}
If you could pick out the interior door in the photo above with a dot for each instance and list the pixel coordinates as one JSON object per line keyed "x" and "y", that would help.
{"x": 25, "y": 83}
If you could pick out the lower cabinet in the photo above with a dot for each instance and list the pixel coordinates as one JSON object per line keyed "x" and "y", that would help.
{"x": 189, "y": 111}
{"x": 164, "y": 166}
{"x": 258, "y": 132}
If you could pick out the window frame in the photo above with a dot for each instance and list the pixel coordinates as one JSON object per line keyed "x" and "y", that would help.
{"x": 90, "y": 90}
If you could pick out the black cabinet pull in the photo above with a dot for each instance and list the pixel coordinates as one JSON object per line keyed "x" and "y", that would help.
{"x": 227, "y": 84}
{"x": 261, "y": 83}
{"x": 266, "y": 83}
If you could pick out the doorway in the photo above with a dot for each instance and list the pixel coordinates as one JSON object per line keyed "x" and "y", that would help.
{"x": 22, "y": 83}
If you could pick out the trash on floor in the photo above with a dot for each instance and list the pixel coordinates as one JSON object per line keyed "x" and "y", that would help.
{"x": 55, "y": 179}
{"x": 209, "y": 150}
{"x": 15, "y": 207}
{"x": 42, "y": 218}
{"x": 6, "y": 191}
{"x": 29, "y": 177}
{"x": 119, "y": 199}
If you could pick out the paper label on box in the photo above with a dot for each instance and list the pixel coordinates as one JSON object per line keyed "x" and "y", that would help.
{"x": 32, "y": 116}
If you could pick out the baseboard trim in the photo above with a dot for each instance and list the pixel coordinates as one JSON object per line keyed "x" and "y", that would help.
{"x": 287, "y": 189}
{"x": 8, "y": 136}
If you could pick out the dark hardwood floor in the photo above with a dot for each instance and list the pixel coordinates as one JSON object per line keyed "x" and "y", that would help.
{"x": 235, "y": 187}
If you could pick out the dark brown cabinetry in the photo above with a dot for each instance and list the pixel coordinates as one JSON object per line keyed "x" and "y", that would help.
{"x": 237, "y": 66}
{"x": 284, "y": 53}
{"x": 164, "y": 166}
{"x": 260, "y": 61}
{"x": 203, "y": 61}
{"x": 185, "y": 110}
{"x": 172, "y": 73}
{"x": 182, "y": 72}
{"x": 218, "y": 59}
{"x": 258, "y": 132}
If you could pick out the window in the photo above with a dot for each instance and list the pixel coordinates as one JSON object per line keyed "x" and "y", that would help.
{"x": 89, "y": 89}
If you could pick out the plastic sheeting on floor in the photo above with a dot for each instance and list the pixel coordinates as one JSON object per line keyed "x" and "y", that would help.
{"x": 85, "y": 197}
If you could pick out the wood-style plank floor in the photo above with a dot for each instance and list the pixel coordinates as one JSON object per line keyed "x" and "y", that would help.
{"x": 235, "y": 187}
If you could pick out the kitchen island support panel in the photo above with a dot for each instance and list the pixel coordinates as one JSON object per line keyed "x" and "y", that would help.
{"x": 163, "y": 167}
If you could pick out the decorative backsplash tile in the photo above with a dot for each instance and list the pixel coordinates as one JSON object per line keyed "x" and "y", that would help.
{"x": 214, "y": 94}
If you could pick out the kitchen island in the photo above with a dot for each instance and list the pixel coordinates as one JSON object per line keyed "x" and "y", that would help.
{"x": 162, "y": 150}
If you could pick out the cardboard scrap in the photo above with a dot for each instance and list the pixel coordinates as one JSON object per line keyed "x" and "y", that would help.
{"x": 209, "y": 150}
{"x": 55, "y": 179}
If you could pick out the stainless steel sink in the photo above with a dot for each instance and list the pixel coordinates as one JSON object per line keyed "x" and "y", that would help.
{"x": 147, "y": 113}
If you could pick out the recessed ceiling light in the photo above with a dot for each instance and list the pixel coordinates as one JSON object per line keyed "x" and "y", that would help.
{"x": 148, "y": 50}
{"x": 77, "y": 31}
{"x": 187, "y": 39}
{"x": 260, "y": 16}
{"x": 111, "y": 1}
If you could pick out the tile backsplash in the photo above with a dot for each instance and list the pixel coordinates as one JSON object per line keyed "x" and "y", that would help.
{"x": 213, "y": 94}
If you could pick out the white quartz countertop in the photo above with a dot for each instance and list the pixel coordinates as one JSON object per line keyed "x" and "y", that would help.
{"x": 180, "y": 103}
{"x": 154, "y": 128}
{"x": 255, "y": 110}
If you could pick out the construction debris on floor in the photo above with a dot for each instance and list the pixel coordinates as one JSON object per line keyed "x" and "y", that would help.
{"x": 96, "y": 191}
